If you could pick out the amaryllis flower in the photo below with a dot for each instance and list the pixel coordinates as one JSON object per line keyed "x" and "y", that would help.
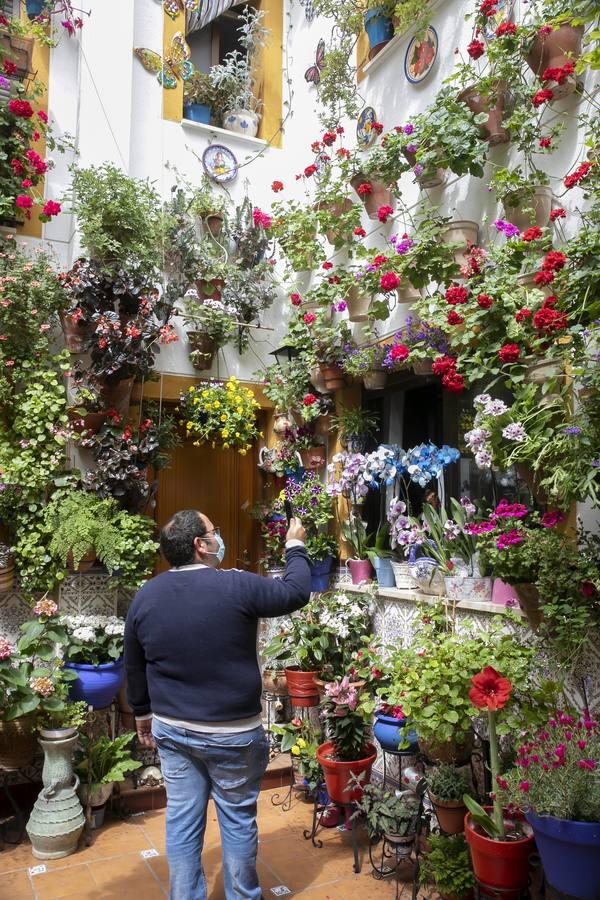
{"x": 490, "y": 690}
{"x": 476, "y": 49}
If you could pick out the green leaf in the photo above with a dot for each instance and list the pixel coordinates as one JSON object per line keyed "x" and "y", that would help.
{"x": 480, "y": 816}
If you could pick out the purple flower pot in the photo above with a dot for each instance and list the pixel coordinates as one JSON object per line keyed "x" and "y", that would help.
{"x": 360, "y": 570}
{"x": 97, "y": 685}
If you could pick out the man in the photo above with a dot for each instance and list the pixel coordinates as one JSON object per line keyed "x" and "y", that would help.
{"x": 195, "y": 687}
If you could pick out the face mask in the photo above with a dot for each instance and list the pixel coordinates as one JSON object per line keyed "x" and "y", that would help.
{"x": 220, "y": 552}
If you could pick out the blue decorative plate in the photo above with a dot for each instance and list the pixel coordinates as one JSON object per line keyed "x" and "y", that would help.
{"x": 421, "y": 54}
{"x": 322, "y": 162}
{"x": 219, "y": 163}
{"x": 365, "y": 136}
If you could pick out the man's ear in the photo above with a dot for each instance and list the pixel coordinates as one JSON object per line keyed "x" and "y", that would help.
{"x": 199, "y": 546}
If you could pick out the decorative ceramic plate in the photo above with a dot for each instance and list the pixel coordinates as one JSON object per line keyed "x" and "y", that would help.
{"x": 219, "y": 163}
{"x": 322, "y": 162}
{"x": 420, "y": 56}
{"x": 503, "y": 13}
{"x": 365, "y": 136}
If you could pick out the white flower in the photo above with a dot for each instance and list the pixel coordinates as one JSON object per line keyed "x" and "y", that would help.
{"x": 343, "y": 631}
{"x": 84, "y": 634}
{"x": 476, "y": 438}
{"x": 514, "y": 432}
{"x": 495, "y": 408}
{"x": 482, "y": 400}
{"x": 115, "y": 628}
{"x": 483, "y": 459}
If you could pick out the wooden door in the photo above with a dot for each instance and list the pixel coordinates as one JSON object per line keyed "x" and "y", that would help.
{"x": 222, "y": 485}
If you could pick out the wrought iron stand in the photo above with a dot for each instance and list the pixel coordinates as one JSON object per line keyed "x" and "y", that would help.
{"x": 310, "y": 834}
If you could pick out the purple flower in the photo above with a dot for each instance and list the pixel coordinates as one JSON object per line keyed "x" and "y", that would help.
{"x": 411, "y": 148}
{"x": 408, "y": 129}
{"x": 418, "y": 170}
{"x": 572, "y": 429}
{"x": 507, "y": 228}
{"x": 4, "y": 83}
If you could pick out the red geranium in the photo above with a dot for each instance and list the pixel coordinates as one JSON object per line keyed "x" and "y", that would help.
{"x": 42, "y": 116}
{"x": 557, "y": 214}
{"x": 309, "y": 399}
{"x": 360, "y": 232}
{"x": 545, "y": 142}
{"x": 20, "y": 108}
{"x": 377, "y": 127}
{"x": 9, "y": 67}
{"x": 559, "y": 74}
{"x": 454, "y": 318}
{"x": 484, "y": 301}
{"x": 327, "y": 265}
{"x": 548, "y": 319}
{"x": 509, "y": 353}
{"x": 310, "y": 170}
{"x": 277, "y": 186}
{"x": 542, "y": 97}
{"x": 389, "y": 281}
{"x": 365, "y": 188}
{"x": 523, "y": 315}
{"x": 329, "y": 138}
{"x": 399, "y": 352}
{"x": 576, "y": 176}
{"x": 456, "y": 294}
{"x": 490, "y": 690}
{"x": 453, "y": 382}
{"x": 476, "y": 49}
{"x": 554, "y": 261}
{"x": 23, "y": 201}
{"x": 384, "y": 212}
{"x": 544, "y": 277}
{"x": 533, "y": 234}
{"x": 296, "y": 299}
{"x": 51, "y": 208}
{"x": 379, "y": 260}
{"x": 309, "y": 318}
{"x": 506, "y": 28}
{"x": 443, "y": 364}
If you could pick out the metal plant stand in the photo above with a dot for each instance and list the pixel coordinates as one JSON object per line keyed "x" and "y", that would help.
{"x": 271, "y": 700}
{"x": 310, "y": 834}
{"x": 285, "y": 801}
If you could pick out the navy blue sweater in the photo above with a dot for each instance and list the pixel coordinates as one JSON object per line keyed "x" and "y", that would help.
{"x": 190, "y": 639}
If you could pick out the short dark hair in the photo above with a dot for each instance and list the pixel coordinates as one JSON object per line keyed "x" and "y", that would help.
{"x": 177, "y": 537}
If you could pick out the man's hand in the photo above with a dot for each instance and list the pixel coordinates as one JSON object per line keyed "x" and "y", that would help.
{"x": 144, "y": 733}
{"x": 295, "y": 530}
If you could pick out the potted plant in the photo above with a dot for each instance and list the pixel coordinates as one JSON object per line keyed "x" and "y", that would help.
{"x": 202, "y": 408}
{"x": 337, "y": 214}
{"x": 379, "y": 25}
{"x": 387, "y": 815}
{"x": 198, "y": 97}
{"x": 301, "y": 641}
{"x": 274, "y": 679}
{"x": 500, "y": 845}
{"x": 487, "y": 97}
{"x": 286, "y": 388}
{"x": 446, "y": 863}
{"x": 347, "y": 480}
{"x": 299, "y": 738}
{"x": 313, "y": 504}
{"x": 560, "y": 799}
{"x": 554, "y": 46}
{"x": 367, "y": 361}
{"x": 355, "y": 426}
{"x": 526, "y": 198}
{"x": 446, "y": 787}
{"x": 94, "y": 652}
{"x": 211, "y": 324}
{"x": 347, "y": 753}
{"x": 235, "y": 75}
{"x": 295, "y": 227}
{"x": 101, "y": 763}
{"x": 207, "y": 206}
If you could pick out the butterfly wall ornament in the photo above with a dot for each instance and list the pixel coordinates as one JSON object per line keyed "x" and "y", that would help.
{"x": 313, "y": 74}
{"x": 176, "y": 64}
{"x": 174, "y": 7}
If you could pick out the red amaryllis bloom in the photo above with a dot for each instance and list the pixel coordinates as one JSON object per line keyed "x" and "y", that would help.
{"x": 277, "y": 186}
{"x": 490, "y": 690}
{"x": 456, "y": 294}
{"x": 389, "y": 281}
{"x": 545, "y": 142}
{"x": 484, "y": 301}
{"x": 476, "y": 49}
{"x": 309, "y": 399}
{"x": 509, "y": 353}
{"x": 454, "y": 318}
{"x": 443, "y": 364}
{"x": 558, "y": 213}
{"x": 453, "y": 382}
{"x": 365, "y": 188}
{"x": 533, "y": 234}
{"x": 506, "y": 28}
{"x": 384, "y": 212}
{"x": 360, "y": 232}
{"x": 542, "y": 97}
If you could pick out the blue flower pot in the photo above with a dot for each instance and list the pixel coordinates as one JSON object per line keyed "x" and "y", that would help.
{"x": 196, "y": 112}
{"x": 388, "y": 732}
{"x": 34, "y": 8}
{"x": 97, "y": 685}
{"x": 320, "y": 573}
{"x": 379, "y": 28}
{"x": 570, "y": 853}
{"x": 384, "y": 572}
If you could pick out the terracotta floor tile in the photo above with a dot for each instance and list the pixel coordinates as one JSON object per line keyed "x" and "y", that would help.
{"x": 61, "y": 883}
{"x": 105, "y": 872}
{"x": 159, "y": 866}
{"x": 16, "y": 857}
{"x": 15, "y": 886}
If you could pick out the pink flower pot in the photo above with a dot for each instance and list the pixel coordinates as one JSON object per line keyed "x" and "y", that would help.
{"x": 360, "y": 570}
{"x": 504, "y": 594}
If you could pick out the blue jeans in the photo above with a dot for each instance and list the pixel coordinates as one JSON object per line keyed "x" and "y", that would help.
{"x": 228, "y": 767}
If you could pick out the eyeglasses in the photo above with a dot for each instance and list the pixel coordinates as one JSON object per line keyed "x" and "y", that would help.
{"x": 216, "y": 530}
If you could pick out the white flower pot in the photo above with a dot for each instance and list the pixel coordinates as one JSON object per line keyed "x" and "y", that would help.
{"x": 402, "y": 576}
{"x": 463, "y": 587}
{"x": 540, "y": 207}
{"x": 242, "y": 121}
{"x": 374, "y": 381}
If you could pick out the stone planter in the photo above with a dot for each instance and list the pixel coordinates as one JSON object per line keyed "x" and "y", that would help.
{"x": 57, "y": 819}
{"x": 202, "y": 350}
{"x": 539, "y": 207}
{"x": 17, "y": 742}
{"x": 358, "y": 305}
{"x": 554, "y": 50}
{"x": 375, "y": 381}
{"x": 380, "y": 194}
{"x": 422, "y": 366}
{"x": 463, "y": 232}
{"x": 241, "y": 121}
{"x": 493, "y": 106}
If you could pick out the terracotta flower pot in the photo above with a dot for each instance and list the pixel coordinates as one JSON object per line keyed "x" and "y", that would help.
{"x": 313, "y": 458}
{"x": 91, "y": 421}
{"x": 203, "y": 349}
{"x": 19, "y": 50}
{"x": 338, "y": 774}
{"x": 463, "y": 232}
{"x": 77, "y": 334}
{"x": 332, "y": 377}
{"x": 534, "y": 212}
{"x": 503, "y": 865}
{"x": 17, "y": 742}
{"x": 406, "y": 293}
{"x": 7, "y": 578}
{"x": 209, "y": 290}
{"x": 337, "y": 208}
{"x": 529, "y": 601}
{"x": 117, "y": 395}
{"x": 322, "y": 424}
{"x": 450, "y": 814}
{"x": 380, "y": 195}
{"x": 214, "y": 223}
{"x": 554, "y": 50}
{"x": 301, "y": 687}
{"x": 450, "y": 751}
{"x": 526, "y": 280}
{"x": 358, "y": 305}
{"x": 375, "y": 381}
{"x": 493, "y": 105}
{"x": 427, "y": 179}
{"x": 85, "y": 563}
{"x": 275, "y": 682}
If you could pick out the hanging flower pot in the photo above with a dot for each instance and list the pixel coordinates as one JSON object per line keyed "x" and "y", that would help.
{"x": 241, "y": 121}
{"x": 379, "y": 28}
{"x": 97, "y": 685}
{"x": 338, "y": 774}
{"x": 376, "y": 380}
{"x": 553, "y": 51}
{"x": 313, "y": 458}
{"x": 34, "y": 8}
{"x": 390, "y": 732}
{"x": 428, "y": 179}
{"x": 524, "y": 213}
{"x": 317, "y": 380}
{"x": 569, "y": 852}
{"x": 202, "y": 350}
{"x": 337, "y": 208}
{"x": 422, "y": 366}
{"x": 529, "y": 601}
{"x": 358, "y": 305}
{"x": 455, "y": 751}
{"x": 214, "y": 222}
{"x": 209, "y": 290}
{"x": 406, "y": 293}
{"x": 19, "y": 50}
{"x": 465, "y": 233}
{"x": 500, "y": 865}
{"x": 333, "y": 377}
{"x": 360, "y": 570}
{"x": 85, "y": 563}
{"x": 531, "y": 479}
{"x": 17, "y": 742}
{"x": 91, "y": 422}
{"x": 77, "y": 333}
{"x": 275, "y": 681}
{"x": 117, "y": 395}
{"x": 374, "y": 194}
{"x": 301, "y": 686}
{"x": 493, "y": 105}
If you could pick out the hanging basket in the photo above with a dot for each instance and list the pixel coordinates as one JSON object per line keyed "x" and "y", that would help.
{"x": 492, "y": 130}
{"x": 332, "y": 377}
{"x": 202, "y": 350}
{"x": 553, "y": 51}
{"x": 525, "y": 213}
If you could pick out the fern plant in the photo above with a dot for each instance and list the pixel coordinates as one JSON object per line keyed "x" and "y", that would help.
{"x": 103, "y": 761}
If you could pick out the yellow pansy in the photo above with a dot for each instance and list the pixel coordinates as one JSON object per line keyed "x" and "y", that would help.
{"x": 205, "y": 393}
{"x": 189, "y": 425}
{"x": 223, "y": 418}
{"x": 225, "y": 446}
{"x": 216, "y": 405}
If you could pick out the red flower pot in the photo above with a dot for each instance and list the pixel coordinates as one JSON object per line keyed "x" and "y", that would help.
{"x": 338, "y": 774}
{"x": 499, "y": 864}
{"x": 302, "y": 688}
